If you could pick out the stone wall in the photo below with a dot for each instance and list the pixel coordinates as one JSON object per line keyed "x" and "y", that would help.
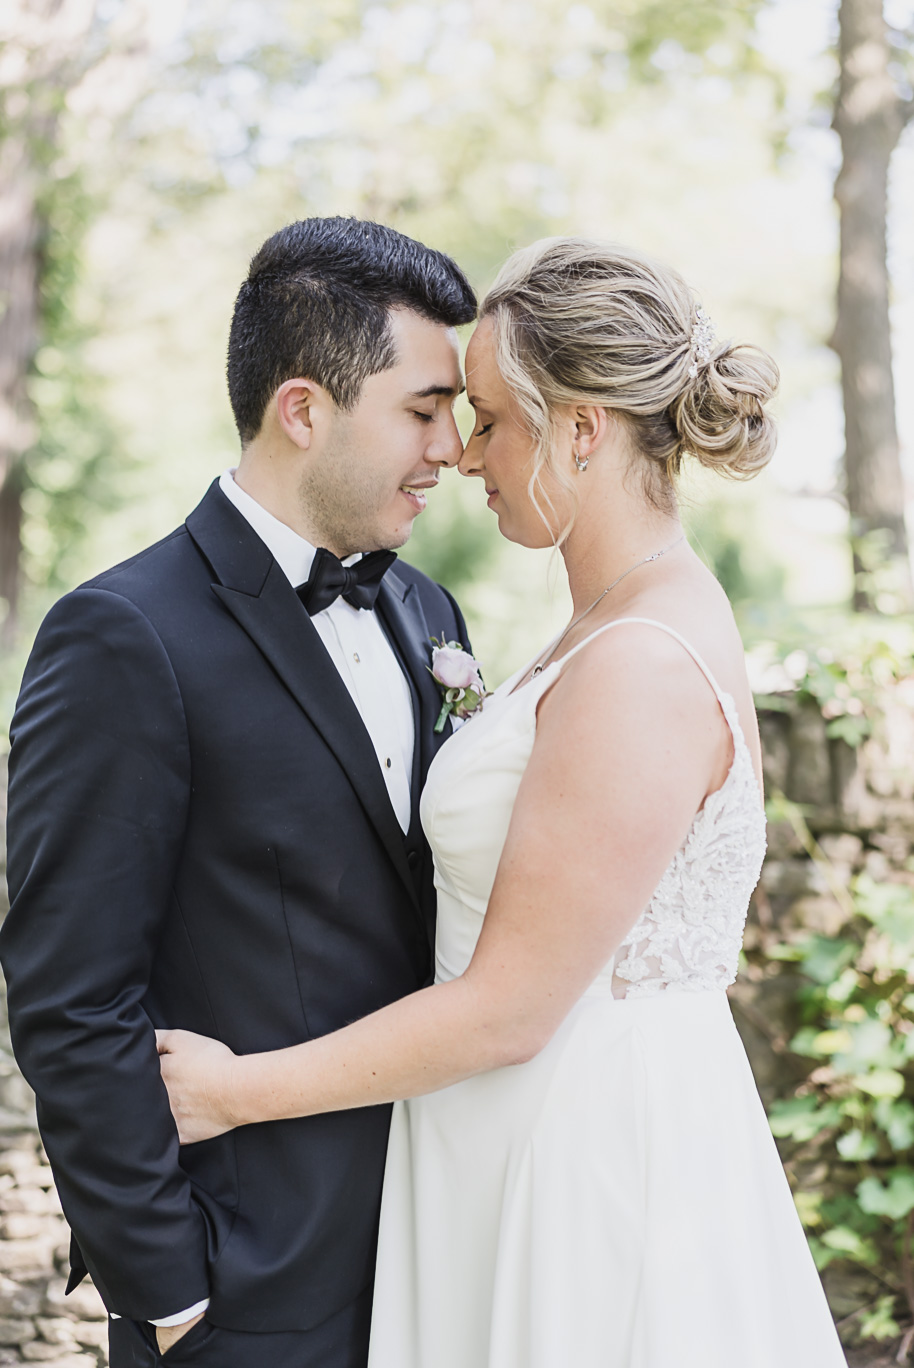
{"x": 37, "y": 1323}
{"x": 858, "y": 805}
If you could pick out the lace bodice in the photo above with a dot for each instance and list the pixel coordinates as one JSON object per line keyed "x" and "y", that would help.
{"x": 687, "y": 939}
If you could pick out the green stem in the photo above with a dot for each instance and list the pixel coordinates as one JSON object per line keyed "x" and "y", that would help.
{"x": 443, "y": 716}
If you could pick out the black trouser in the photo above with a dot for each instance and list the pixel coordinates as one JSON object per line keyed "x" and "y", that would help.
{"x": 341, "y": 1341}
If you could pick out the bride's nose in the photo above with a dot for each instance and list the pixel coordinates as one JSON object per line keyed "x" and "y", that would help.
{"x": 471, "y": 461}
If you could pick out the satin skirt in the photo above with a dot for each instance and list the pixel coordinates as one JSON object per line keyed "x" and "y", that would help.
{"x": 617, "y": 1202}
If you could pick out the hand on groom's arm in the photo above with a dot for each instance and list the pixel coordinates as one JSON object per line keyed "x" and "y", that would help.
{"x": 99, "y": 784}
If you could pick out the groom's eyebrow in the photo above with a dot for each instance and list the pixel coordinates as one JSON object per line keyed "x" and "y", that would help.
{"x": 430, "y": 390}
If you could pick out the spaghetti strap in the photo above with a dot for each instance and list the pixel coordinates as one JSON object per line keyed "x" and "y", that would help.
{"x": 723, "y": 698}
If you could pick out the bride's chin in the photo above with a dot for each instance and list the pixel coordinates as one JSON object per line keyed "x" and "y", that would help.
{"x": 533, "y": 538}
{"x": 506, "y": 530}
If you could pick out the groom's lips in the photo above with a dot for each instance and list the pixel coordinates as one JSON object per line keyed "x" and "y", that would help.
{"x": 415, "y": 493}
{"x": 493, "y": 495}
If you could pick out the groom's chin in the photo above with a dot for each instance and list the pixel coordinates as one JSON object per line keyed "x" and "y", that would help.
{"x": 401, "y": 534}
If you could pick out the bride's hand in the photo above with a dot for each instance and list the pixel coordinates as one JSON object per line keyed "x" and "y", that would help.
{"x": 198, "y": 1075}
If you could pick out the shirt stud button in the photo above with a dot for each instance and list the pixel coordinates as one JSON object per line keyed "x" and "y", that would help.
{"x": 387, "y": 762}
{"x": 357, "y": 658}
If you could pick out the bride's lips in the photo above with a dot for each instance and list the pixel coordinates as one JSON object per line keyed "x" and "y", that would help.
{"x": 493, "y": 495}
{"x": 415, "y": 494}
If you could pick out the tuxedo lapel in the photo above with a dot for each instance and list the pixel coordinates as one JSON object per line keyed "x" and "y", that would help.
{"x": 256, "y": 592}
{"x": 401, "y": 611}
{"x": 407, "y": 668}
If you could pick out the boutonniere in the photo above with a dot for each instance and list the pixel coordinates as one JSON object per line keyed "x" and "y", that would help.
{"x": 457, "y": 675}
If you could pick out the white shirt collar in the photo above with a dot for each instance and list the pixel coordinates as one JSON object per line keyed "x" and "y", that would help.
{"x": 291, "y": 552}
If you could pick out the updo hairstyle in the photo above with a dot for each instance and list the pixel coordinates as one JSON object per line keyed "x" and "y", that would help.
{"x": 585, "y": 321}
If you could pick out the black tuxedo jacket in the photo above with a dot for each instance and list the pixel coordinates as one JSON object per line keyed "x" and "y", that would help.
{"x": 200, "y": 836}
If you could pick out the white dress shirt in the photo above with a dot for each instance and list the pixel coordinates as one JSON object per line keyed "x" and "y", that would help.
{"x": 358, "y": 647}
{"x": 365, "y": 659}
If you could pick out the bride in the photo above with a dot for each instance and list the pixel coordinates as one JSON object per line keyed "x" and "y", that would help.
{"x": 580, "y": 1171}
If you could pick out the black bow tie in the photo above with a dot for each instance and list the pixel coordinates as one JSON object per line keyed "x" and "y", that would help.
{"x": 330, "y": 578}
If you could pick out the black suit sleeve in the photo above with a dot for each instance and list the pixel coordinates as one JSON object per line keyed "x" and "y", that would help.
{"x": 99, "y": 787}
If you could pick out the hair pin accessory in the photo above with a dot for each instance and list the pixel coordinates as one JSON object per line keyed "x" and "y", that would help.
{"x": 702, "y": 341}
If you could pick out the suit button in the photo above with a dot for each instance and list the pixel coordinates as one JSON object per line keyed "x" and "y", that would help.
{"x": 412, "y": 859}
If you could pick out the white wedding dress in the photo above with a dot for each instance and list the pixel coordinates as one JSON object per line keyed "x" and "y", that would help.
{"x": 618, "y": 1201}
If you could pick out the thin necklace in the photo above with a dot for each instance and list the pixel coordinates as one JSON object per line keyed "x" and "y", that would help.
{"x": 655, "y": 555}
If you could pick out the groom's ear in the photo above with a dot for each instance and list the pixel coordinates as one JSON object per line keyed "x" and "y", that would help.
{"x": 299, "y": 405}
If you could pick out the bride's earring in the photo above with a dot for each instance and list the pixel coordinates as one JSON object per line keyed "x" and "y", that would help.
{"x": 581, "y": 465}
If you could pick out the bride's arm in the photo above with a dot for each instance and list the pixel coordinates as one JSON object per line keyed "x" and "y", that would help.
{"x": 628, "y": 743}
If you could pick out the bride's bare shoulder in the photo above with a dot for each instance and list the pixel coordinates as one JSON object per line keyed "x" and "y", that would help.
{"x": 643, "y": 666}
{"x": 648, "y": 649}
{"x": 628, "y": 667}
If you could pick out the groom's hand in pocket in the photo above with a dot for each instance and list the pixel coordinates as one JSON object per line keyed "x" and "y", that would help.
{"x": 168, "y": 1335}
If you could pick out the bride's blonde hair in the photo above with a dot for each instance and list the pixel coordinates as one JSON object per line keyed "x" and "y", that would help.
{"x": 577, "y": 321}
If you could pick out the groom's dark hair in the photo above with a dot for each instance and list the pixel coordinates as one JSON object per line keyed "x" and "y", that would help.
{"x": 317, "y": 304}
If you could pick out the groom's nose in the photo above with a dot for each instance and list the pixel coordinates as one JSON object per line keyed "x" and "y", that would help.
{"x": 446, "y": 448}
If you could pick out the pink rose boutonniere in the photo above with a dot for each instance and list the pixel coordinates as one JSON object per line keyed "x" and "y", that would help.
{"x": 457, "y": 675}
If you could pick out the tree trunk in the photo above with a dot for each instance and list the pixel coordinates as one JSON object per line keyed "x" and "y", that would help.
{"x": 19, "y": 233}
{"x": 19, "y": 325}
{"x": 869, "y": 120}
{"x": 42, "y": 48}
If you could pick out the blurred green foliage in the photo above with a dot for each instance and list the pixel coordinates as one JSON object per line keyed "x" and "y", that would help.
{"x": 729, "y": 538}
{"x": 71, "y": 471}
{"x": 880, "y": 576}
{"x": 847, "y": 667}
{"x": 474, "y": 128}
{"x": 847, "y": 1122}
{"x": 854, "y": 1111}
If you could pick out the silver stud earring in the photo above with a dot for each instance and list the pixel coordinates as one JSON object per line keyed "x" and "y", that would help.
{"x": 581, "y": 465}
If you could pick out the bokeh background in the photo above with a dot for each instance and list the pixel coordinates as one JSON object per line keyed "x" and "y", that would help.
{"x": 147, "y": 147}
{"x": 165, "y": 139}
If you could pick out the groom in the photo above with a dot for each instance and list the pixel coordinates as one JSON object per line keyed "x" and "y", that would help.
{"x": 216, "y": 763}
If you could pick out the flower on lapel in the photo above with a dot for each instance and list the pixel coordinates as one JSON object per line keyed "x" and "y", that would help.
{"x": 457, "y": 675}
